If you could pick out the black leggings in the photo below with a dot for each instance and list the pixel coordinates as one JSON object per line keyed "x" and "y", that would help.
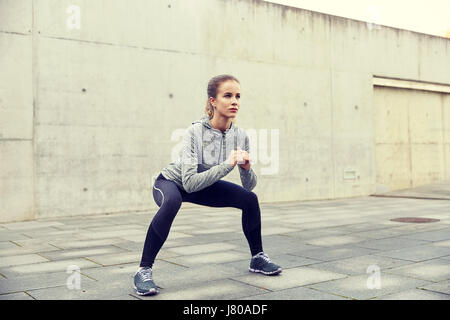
{"x": 169, "y": 197}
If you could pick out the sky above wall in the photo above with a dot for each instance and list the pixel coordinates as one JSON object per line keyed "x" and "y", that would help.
{"x": 425, "y": 16}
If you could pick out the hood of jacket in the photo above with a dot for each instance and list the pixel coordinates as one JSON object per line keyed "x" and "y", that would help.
{"x": 205, "y": 121}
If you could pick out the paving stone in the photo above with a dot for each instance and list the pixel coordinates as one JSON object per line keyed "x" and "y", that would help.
{"x": 114, "y": 273}
{"x": 7, "y": 245}
{"x": 82, "y": 253}
{"x": 33, "y": 243}
{"x": 51, "y": 233}
{"x": 357, "y": 287}
{"x": 266, "y": 231}
{"x": 274, "y": 244}
{"x": 20, "y": 260}
{"x": 161, "y": 269}
{"x": 318, "y": 225}
{"x": 84, "y": 223}
{"x": 334, "y": 253}
{"x": 390, "y": 243}
{"x": 202, "y": 248}
{"x": 177, "y": 235}
{"x": 132, "y": 246}
{"x": 126, "y": 257}
{"x": 27, "y": 225}
{"x": 139, "y": 246}
{"x": 359, "y": 227}
{"x": 211, "y": 290}
{"x": 11, "y": 236}
{"x": 213, "y": 237}
{"x": 359, "y": 265}
{"x": 85, "y": 243}
{"x": 112, "y": 234}
{"x": 31, "y": 282}
{"x": 421, "y": 227}
{"x": 441, "y": 287}
{"x": 213, "y": 230}
{"x": 383, "y": 233}
{"x": 181, "y": 228}
{"x": 45, "y": 267}
{"x": 26, "y": 250}
{"x": 415, "y": 294}
{"x": 289, "y": 278}
{"x": 334, "y": 241}
{"x": 435, "y": 235}
{"x": 16, "y": 296}
{"x": 445, "y": 243}
{"x": 193, "y": 276}
{"x": 313, "y": 234}
{"x": 140, "y": 238}
{"x": 115, "y": 228}
{"x": 93, "y": 290}
{"x": 300, "y": 293}
{"x": 418, "y": 253}
{"x": 431, "y": 270}
{"x": 208, "y": 258}
{"x": 113, "y": 259}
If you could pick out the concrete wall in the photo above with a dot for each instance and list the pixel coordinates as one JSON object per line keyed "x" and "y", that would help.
{"x": 90, "y": 115}
{"x": 412, "y": 137}
{"x": 16, "y": 111}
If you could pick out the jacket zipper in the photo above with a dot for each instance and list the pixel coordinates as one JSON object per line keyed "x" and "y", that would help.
{"x": 220, "y": 151}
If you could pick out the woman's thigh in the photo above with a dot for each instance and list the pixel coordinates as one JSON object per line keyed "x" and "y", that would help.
{"x": 220, "y": 194}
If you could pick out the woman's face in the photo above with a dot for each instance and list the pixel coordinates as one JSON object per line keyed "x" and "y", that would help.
{"x": 227, "y": 101}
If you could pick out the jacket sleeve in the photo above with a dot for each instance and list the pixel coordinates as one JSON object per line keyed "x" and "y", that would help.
{"x": 248, "y": 177}
{"x": 191, "y": 179}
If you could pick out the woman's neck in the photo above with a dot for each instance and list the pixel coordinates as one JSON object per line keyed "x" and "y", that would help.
{"x": 221, "y": 124}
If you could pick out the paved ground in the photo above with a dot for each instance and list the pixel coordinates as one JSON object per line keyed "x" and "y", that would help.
{"x": 335, "y": 249}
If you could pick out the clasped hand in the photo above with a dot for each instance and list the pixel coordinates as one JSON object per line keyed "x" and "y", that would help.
{"x": 240, "y": 157}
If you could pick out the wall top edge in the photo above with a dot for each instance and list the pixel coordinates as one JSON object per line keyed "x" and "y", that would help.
{"x": 410, "y": 84}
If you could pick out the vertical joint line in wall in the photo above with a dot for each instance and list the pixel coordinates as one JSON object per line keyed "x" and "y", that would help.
{"x": 418, "y": 55}
{"x": 410, "y": 146}
{"x": 34, "y": 96}
{"x": 332, "y": 116}
{"x": 374, "y": 130}
{"x": 444, "y": 158}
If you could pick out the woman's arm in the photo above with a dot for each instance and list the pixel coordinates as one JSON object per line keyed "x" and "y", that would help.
{"x": 248, "y": 177}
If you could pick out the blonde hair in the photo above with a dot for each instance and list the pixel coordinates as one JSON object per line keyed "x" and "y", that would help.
{"x": 213, "y": 87}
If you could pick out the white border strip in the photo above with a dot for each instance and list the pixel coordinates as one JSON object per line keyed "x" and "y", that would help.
{"x": 408, "y": 84}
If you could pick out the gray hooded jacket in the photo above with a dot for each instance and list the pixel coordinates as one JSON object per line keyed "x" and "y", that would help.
{"x": 202, "y": 161}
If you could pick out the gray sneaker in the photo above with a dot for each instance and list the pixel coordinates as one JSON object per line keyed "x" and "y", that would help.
{"x": 143, "y": 282}
{"x": 262, "y": 264}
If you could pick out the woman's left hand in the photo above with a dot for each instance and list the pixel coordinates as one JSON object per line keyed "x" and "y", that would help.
{"x": 243, "y": 159}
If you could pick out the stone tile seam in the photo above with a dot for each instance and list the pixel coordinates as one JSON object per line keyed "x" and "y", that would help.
{"x": 412, "y": 277}
{"x": 329, "y": 292}
{"x": 249, "y": 284}
{"x": 435, "y": 291}
{"x": 305, "y": 285}
{"x": 35, "y": 289}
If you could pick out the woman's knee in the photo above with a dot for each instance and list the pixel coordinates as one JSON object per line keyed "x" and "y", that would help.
{"x": 251, "y": 198}
{"x": 173, "y": 202}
